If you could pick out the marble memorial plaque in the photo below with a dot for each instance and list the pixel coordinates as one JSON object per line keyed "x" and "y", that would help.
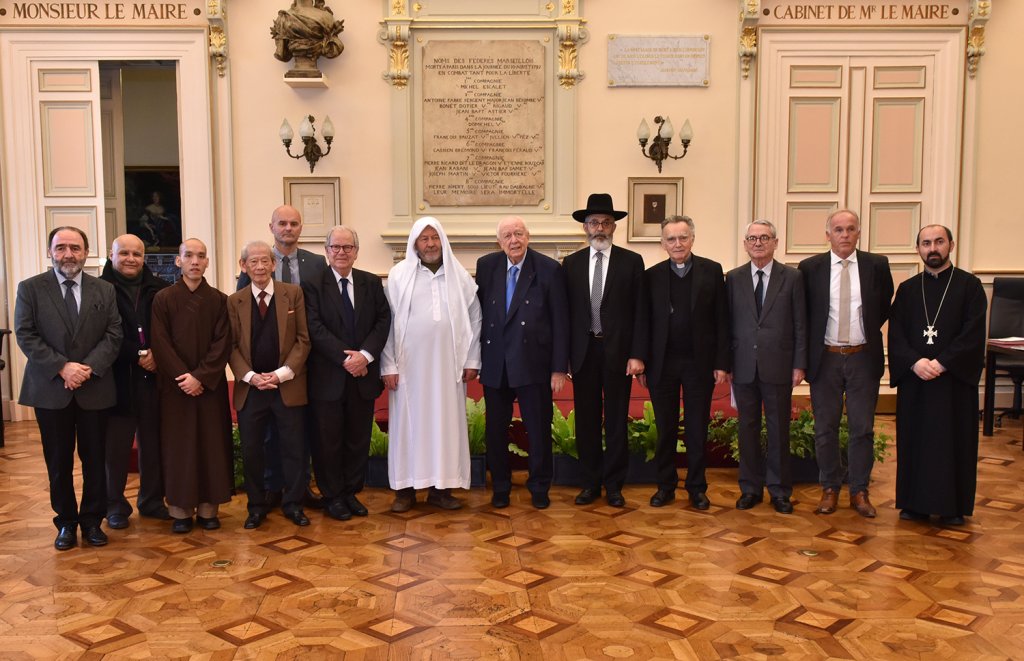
{"x": 483, "y": 123}
{"x": 658, "y": 61}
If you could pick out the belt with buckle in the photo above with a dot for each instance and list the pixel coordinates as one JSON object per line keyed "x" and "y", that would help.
{"x": 846, "y": 351}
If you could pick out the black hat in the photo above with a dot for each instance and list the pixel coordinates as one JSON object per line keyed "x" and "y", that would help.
{"x": 599, "y": 203}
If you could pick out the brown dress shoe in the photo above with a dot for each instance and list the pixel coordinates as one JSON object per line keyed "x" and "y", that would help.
{"x": 859, "y": 501}
{"x": 443, "y": 499}
{"x": 404, "y": 500}
{"x": 829, "y": 501}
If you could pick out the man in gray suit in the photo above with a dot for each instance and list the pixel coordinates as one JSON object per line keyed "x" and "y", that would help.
{"x": 769, "y": 347}
{"x": 67, "y": 324}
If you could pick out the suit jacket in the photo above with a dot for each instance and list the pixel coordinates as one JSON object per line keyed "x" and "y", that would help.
{"x": 44, "y": 332}
{"x": 327, "y": 375}
{"x": 531, "y": 340}
{"x": 773, "y": 345}
{"x": 709, "y": 316}
{"x": 311, "y": 267}
{"x": 623, "y": 307}
{"x": 293, "y": 341}
{"x": 876, "y": 290}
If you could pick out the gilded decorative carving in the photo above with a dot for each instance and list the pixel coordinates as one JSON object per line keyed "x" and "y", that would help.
{"x": 981, "y": 8}
{"x": 398, "y": 8}
{"x": 568, "y": 59}
{"x": 568, "y": 7}
{"x": 975, "y": 49}
{"x": 748, "y": 49}
{"x": 398, "y": 71}
{"x": 219, "y": 48}
{"x": 753, "y": 7}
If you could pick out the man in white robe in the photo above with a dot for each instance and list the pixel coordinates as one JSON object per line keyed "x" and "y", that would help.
{"x": 432, "y": 352}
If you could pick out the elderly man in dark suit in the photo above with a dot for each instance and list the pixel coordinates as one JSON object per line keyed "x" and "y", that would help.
{"x": 769, "y": 355}
{"x": 690, "y": 350}
{"x": 292, "y": 265}
{"x": 67, "y": 324}
{"x": 848, "y": 296}
{"x": 349, "y": 320}
{"x": 607, "y": 344}
{"x": 524, "y": 353}
{"x": 270, "y": 343}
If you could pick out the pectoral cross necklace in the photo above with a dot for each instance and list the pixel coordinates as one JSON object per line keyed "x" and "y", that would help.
{"x": 929, "y": 330}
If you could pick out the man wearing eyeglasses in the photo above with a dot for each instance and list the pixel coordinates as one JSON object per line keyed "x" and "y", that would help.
{"x": 607, "y": 346}
{"x": 349, "y": 319}
{"x": 769, "y": 345}
{"x": 292, "y": 265}
{"x": 524, "y": 353}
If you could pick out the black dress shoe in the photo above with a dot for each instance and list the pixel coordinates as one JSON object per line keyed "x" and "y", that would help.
{"x": 211, "y": 523}
{"x": 748, "y": 500}
{"x": 117, "y": 521}
{"x": 160, "y": 513}
{"x": 587, "y": 496}
{"x": 615, "y": 499}
{"x": 952, "y": 521}
{"x": 911, "y": 515}
{"x": 94, "y": 536}
{"x": 700, "y": 501}
{"x": 540, "y": 500}
{"x": 67, "y": 538}
{"x": 782, "y": 505}
{"x": 297, "y": 516}
{"x": 662, "y": 497}
{"x": 254, "y": 520}
{"x": 312, "y": 500}
{"x": 336, "y": 509}
{"x": 182, "y": 526}
{"x": 354, "y": 506}
{"x": 500, "y": 499}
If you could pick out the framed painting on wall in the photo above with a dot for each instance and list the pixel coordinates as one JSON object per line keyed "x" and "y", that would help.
{"x": 318, "y": 200}
{"x": 152, "y": 206}
{"x": 651, "y": 200}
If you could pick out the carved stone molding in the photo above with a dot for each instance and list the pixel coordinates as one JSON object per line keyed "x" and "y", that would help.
{"x": 750, "y": 12}
{"x": 399, "y": 25}
{"x": 980, "y": 11}
{"x": 216, "y": 14}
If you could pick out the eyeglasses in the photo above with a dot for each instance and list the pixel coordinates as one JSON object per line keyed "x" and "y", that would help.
{"x": 600, "y": 224}
{"x": 762, "y": 238}
{"x": 347, "y": 248}
{"x": 507, "y": 236}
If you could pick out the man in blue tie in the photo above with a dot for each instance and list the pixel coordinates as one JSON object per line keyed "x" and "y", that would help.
{"x": 524, "y": 353}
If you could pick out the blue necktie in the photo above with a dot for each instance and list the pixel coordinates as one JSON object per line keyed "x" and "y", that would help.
{"x": 510, "y": 286}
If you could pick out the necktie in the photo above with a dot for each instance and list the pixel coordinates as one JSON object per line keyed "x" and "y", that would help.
{"x": 69, "y": 301}
{"x": 510, "y": 286}
{"x": 262, "y": 296}
{"x": 759, "y": 292}
{"x": 348, "y": 313}
{"x": 286, "y": 269}
{"x": 596, "y": 290}
{"x": 844, "y": 303}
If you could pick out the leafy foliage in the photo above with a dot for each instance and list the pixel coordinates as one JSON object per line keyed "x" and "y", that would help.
{"x": 476, "y": 423}
{"x": 563, "y": 433}
{"x": 237, "y": 468}
{"x": 642, "y": 433}
{"x": 378, "y": 441}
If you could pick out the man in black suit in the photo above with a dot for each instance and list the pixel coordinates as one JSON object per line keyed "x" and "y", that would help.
{"x": 67, "y": 324}
{"x": 768, "y": 322}
{"x": 292, "y": 265}
{"x": 349, "y": 321}
{"x": 689, "y": 349}
{"x": 524, "y": 353}
{"x": 607, "y": 344}
{"x": 848, "y": 296}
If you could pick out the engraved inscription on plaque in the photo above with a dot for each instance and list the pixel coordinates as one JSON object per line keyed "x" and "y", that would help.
{"x": 483, "y": 123}
{"x": 658, "y": 61}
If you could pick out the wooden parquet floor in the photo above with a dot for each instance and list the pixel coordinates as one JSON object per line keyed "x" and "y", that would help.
{"x": 565, "y": 583}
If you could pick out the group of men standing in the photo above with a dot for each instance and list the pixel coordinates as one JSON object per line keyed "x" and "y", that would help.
{"x": 313, "y": 343}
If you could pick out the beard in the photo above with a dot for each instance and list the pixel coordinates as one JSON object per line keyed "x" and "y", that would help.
{"x": 935, "y": 260}
{"x": 69, "y": 267}
{"x": 599, "y": 241}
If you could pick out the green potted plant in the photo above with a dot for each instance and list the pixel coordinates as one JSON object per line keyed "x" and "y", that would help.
{"x": 476, "y": 425}
{"x": 565, "y": 456}
{"x": 377, "y": 465}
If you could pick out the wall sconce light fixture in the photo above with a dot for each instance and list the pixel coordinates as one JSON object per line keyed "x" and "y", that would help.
{"x": 311, "y": 150}
{"x": 658, "y": 150}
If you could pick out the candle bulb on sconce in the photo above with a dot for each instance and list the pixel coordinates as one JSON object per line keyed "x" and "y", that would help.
{"x": 311, "y": 149}
{"x": 659, "y": 149}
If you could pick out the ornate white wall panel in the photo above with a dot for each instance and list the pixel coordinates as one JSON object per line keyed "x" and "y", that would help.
{"x": 68, "y": 152}
{"x": 813, "y": 145}
{"x": 84, "y": 218}
{"x": 892, "y": 227}
{"x": 897, "y": 147}
{"x": 65, "y": 80}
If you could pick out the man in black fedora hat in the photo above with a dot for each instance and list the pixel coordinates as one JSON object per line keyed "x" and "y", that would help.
{"x": 608, "y": 337}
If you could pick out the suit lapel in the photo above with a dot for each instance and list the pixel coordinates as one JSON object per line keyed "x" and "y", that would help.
{"x": 54, "y": 290}
{"x": 359, "y": 286}
{"x": 697, "y": 275}
{"x": 281, "y": 307}
{"x": 611, "y": 271}
{"x": 245, "y": 321}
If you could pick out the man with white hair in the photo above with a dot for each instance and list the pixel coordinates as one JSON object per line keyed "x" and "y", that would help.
{"x": 433, "y": 350}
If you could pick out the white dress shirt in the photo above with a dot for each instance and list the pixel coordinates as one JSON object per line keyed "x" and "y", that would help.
{"x": 604, "y": 273}
{"x": 857, "y": 336}
{"x": 284, "y": 373}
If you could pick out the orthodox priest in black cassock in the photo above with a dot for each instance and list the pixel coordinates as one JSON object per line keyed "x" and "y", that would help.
{"x": 937, "y": 419}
